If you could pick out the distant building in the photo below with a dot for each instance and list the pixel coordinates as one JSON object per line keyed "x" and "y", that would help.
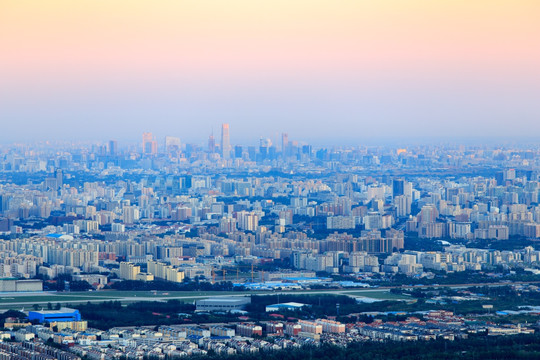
{"x": 247, "y": 220}
{"x": 96, "y": 280}
{"x": 165, "y": 272}
{"x": 293, "y": 329}
{"x": 398, "y": 187}
{"x": 64, "y": 314}
{"x": 149, "y": 144}
{"x": 129, "y": 271}
{"x": 225, "y": 142}
{"x": 340, "y": 222}
{"x": 221, "y": 331}
{"x": 223, "y": 303}
{"x": 330, "y": 326}
{"x": 310, "y": 327}
{"x": 285, "y": 306}
{"x": 15, "y": 285}
{"x": 274, "y": 327}
{"x": 173, "y": 145}
{"x": 113, "y": 147}
{"x": 248, "y": 330}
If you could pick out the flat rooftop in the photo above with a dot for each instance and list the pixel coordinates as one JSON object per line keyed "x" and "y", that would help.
{"x": 59, "y": 311}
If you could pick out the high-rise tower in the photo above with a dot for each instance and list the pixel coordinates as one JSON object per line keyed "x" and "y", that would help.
{"x": 225, "y": 142}
{"x": 398, "y": 187}
{"x": 59, "y": 178}
{"x": 149, "y": 144}
{"x": 113, "y": 147}
{"x": 284, "y": 144}
{"x": 211, "y": 143}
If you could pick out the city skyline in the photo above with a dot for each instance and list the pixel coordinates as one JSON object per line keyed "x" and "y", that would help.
{"x": 246, "y": 179}
{"x": 346, "y": 71}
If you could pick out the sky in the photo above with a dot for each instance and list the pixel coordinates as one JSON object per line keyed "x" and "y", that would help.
{"x": 320, "y": 70}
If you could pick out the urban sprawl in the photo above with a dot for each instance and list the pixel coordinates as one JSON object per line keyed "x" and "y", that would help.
{"x": 248, "y": 249}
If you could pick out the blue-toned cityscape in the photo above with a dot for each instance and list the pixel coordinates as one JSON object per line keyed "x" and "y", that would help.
{"x": 252, "y": 249}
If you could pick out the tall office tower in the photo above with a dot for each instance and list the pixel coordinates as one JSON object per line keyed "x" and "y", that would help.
{"x": 238, "y": 150}
{"x": 59, "y": 178}
{"x": 499, "y": 177}
{"x": 225, "y": 142}
{"x": 211, "y": 144}
{"x": 172, "y": 145}
{"x": 264, "y": 147}
{"x": 146, "y": 139}
{"x": 252, "y": 153}
{"x": 398, "y": 187}
{"x": 284, "y": 144}
{"x": 113, "y": 147}
{"x": 149, "y": 144}
{"x": 4, "y": 202}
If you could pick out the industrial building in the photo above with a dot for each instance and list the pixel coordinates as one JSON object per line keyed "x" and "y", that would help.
{"x": 15, "y": 285}
{"x": 285, "y": 306}
{"x": 223, "y": 303}
{"x": 64, "y": 314}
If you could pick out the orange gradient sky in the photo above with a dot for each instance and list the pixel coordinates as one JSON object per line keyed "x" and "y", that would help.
{"x": 267, "y": 66}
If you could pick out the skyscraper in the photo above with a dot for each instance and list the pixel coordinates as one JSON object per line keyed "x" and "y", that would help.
{"x": 59, "y": 178}
{"x": 173, "y": 145}
{"x": 225, "y": 142}
{"x": 398, "y": 187}
{"x": 149, "y": 144}
{"x": 264, "y": 147}
{"x": 238, "y": 150}
{"x": 284, "y": 144}
{"x": 113, "y": 147}
{"x": 211, "y": 144}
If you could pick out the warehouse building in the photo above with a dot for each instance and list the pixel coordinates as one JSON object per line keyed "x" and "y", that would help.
{"x": 64, "y": 314}
{"x": 223, "y": 303}
{"x": 285, "y": 306}
{"x": 15, "y": 285}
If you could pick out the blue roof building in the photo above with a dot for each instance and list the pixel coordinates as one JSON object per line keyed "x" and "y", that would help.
{"x": 64, "y": 314}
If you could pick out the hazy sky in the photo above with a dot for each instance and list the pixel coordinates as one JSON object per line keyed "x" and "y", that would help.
{"x": 350, "y": 69}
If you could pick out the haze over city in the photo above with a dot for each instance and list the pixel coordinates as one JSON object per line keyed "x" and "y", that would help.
{"x": 268, "y": 180}
{"x": 346, "y": 70}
